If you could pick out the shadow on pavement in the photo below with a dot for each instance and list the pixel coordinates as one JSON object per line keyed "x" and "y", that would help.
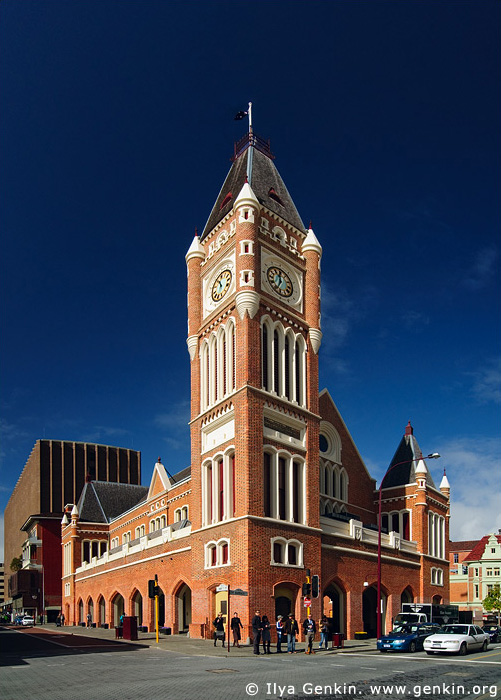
{"x": 17, "y": 645}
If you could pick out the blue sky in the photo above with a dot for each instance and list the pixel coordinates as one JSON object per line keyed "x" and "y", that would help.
{"x": 116, "y": 133}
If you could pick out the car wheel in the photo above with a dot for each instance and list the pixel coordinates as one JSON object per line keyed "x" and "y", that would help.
{"x": 430, "y": 653}
{"x": 462, "y": 649}
{"x": 412, "y": 647}
{"x": 484, "y": 646}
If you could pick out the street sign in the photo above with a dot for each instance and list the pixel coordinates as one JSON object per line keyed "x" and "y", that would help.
{"x": 307, "y": 602}
{"x": 238, "y": 591}
{"x": 222, "y": 587}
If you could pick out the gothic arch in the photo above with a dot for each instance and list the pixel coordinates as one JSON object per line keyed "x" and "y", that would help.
{"x": 182, "y": 598}
{"x": 334, "y": 605}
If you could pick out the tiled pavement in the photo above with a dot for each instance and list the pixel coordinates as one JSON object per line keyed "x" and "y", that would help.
{"x": 181, "y": 643}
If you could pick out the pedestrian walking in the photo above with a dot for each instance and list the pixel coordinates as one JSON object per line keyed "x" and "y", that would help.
{"x": 219, "y": 629}
{"x": 291, "y": 630}
{"x": 266, "y": 634}
{"x": 89, "y": 619}
{"x": 256, "y": 631}
{"x": 236, "y": 626}
{"x": 280, "y": 630}
{"x": 309, "y": 627}
{"x": 62, "y": 619}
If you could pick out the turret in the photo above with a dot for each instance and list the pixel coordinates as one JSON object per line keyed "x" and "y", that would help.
{"x": 247, "y": 210}
{"x": 312, "y": 252}
{"x": 194, "y": 256}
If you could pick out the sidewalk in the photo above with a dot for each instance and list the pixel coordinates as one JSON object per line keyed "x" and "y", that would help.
{"x": 182, "y": 644}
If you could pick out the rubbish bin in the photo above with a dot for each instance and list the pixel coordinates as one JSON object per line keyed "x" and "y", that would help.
{"x": 337, "y": 640}
{"x": 130, "y": 627}
{"x": 118, "y": 632}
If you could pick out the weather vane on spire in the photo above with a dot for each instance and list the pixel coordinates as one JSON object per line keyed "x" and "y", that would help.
{"x": 241, "y": 115}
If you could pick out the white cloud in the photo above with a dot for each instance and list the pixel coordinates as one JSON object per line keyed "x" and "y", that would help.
{"x": 483, "y": 268}
{"x": 474, "y": 474}
{"x": 487, "y": 382}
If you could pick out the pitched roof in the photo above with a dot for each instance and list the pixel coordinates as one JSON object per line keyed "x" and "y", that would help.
{"x": 256, "y": 165}
{"x": 478, "y": 550}
{"x": 463, "y": 546}
{"x": 102, "y": 501}
{"x": 181, "y": 476}
{"x": 409, "y": 453}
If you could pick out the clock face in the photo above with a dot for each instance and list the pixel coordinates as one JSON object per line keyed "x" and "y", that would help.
{"x": 279, "y": 281}
{"x": 221, "y": 285}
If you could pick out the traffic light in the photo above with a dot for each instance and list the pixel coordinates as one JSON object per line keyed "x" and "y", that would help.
{"x": 315, "y": 585}
{"x": 152, "y": 588}
{"x": 306, "y": 590}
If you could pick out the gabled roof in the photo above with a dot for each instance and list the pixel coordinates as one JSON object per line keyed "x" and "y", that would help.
{"x": 478, "y": 551}
{"x": 102, "y": 501}
{"x": 265, "y": 181}
{"x": 407, "y": 452}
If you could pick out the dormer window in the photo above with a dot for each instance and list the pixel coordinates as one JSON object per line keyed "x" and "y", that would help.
{"x": 273, "y": 195}
{"x": 225, "y": 201}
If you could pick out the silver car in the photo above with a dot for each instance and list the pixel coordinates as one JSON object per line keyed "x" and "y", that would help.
{"x": 456, "y": 639}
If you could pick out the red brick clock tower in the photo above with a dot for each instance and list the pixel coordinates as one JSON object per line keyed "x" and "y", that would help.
{"x": 253, "y": 338}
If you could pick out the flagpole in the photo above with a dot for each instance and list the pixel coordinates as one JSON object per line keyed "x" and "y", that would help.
{"x": 250, "y": 118}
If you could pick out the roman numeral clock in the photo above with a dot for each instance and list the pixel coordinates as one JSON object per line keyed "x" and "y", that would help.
{"x": 282, "y": 280}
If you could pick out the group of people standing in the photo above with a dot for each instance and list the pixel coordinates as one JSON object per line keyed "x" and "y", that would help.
{"x": 287, "y": 631}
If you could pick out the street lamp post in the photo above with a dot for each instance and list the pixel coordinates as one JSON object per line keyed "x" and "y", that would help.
{"x": 433, "y": 455}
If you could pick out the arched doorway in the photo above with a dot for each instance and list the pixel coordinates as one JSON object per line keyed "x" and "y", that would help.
{"x": 285, "y": 599}
{"x": 137, "y": 607}
{"x": 437, "y": 600}
{"x": 80, "y": 611}
{"x": 183, "y": 601}
{"x": 118, "y": 609}
{"x": 101, "y": 607}
{"x": 90, "y": 610}
{"x": 369, "y": 611}
{"x": 406, "y": 596}
{"x": 334, "y": 607}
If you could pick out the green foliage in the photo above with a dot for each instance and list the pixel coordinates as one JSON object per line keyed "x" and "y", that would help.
{"x": 492, "y": 602}
{"x": 16, "y": 564}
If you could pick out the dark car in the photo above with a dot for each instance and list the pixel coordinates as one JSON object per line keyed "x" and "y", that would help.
{"x": 493, "y": 631}
{"x": 409, "y": 637}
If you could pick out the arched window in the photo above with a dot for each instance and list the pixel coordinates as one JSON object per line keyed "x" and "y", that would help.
{"x": 286, "y": 552}
{"x": 218, "y": 488}
{"x": 284, "y": 489}
{"x": 283, "y": 361}
{"x": 217, "y": 365}
{"x": 217, "y": 553}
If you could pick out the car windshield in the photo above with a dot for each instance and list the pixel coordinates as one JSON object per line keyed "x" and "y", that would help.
{"x": 402, "y": 628}
{"x": 454, "y": 629}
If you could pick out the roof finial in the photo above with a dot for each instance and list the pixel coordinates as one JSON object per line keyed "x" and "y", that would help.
{"x": 409, "y": 430}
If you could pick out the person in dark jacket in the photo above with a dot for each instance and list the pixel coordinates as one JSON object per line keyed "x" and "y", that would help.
{"x": 236, "y": 626}
{"x": 291, "y": 630}
{"x": 256, "y": 631}
{"x": 309, "y": 627}
{"x": 219, "y": 629}
{"x": 266, "y": 634}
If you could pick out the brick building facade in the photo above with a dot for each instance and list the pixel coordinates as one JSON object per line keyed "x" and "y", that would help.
{"x": 475, "y": 569}
{"x": 276, "y": 485}
{"x": 53, "y": 475}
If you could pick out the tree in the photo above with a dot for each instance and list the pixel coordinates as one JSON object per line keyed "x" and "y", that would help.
{"x": 16, "y": 564}
{"x": 492, "y": 602}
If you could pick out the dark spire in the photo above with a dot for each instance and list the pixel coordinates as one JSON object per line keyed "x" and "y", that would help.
{"x": 253, "y": 163}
